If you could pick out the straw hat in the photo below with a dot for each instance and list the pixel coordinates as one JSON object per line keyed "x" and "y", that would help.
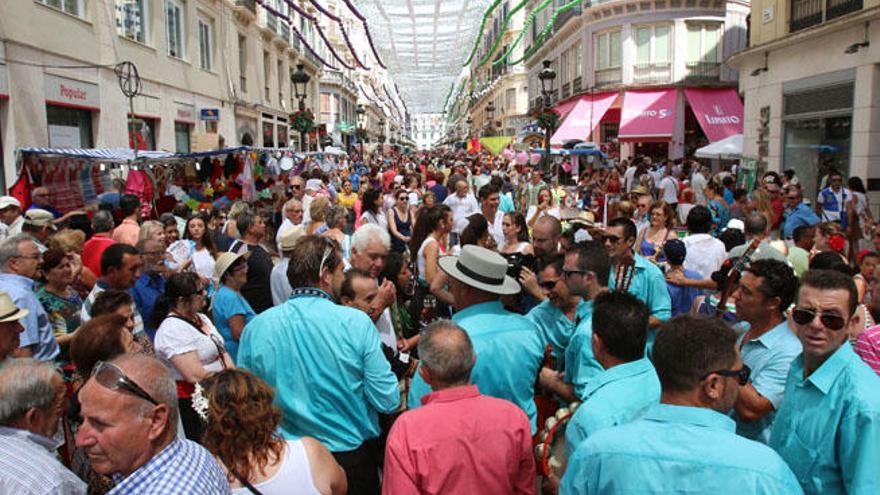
{"x": 481, "y": 269}
{"x": 288, "y": 240}
{"x": 226, "y": 260}
{"x": 39, "y": 218}
{"x": 8, "y": 310}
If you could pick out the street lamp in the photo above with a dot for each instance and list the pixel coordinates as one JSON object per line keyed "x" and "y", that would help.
{"x": 547, "y": 75}
{"x": 498, "y": 123}
{"x": 490, "y": 112}
{"x": 300, "y": 79}
{"x": 361, "y": 131}
{"x": 382, "y": 131}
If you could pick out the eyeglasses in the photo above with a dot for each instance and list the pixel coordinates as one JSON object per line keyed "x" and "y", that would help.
{"x": 567, "y": 273}
{"x": 37, "y": 256}
{"x": 296, "y": 186}
{"x": 741, "y": 375}
{"x": 549, "y": 284}
{"x": 111, "y": 376}
{"x": 402, "y": 198}
{"x": 614, "y": 239}
{"x": 832, "y": 321}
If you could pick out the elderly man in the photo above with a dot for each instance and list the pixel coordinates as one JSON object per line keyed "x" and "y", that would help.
{"x": 474, "y": 443}
{"x": 828, "y": 426}
{"x": 463, "y": 204}
{"x": 340, "y": 408}
{"x": 293, "y": 217}
{"x": 151, "y": 283}
{"x": 11, "y": 220}
{"x": 32, "y": 399}
{"x": 20, "y": 260}
{"x": 685, "y": 443}
{"x": 369, "y": 249}
{"x": 507, "y": 344}
{"x": 38, "y": 224}
{"x": 129, "y": 431}
{"x": 102, "y": 226}
{"x": 278, "y": 279}
{"x": 42, "y": 200}
{"x": 257, "y": 291}
{"x": 121, "y": 266}
{"x": 10, "y": 326}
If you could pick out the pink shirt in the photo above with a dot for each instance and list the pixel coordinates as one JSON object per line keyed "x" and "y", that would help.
{"x": 868, "y": 347}
{"x": 460, "y": 442}
{"x": 127, "y": 232}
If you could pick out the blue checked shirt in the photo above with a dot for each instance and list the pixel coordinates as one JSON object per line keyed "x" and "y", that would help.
{"x": 29, "y": 466}
{"x": 37, "y": 329}
{"x": 183, "y": 467}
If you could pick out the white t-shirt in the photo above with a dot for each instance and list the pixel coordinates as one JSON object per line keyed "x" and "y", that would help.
{"x": 705, "y": 254}
{"x": 461, "y": 209}
{"x": 629, "y": 178}
{"x": 203, "y": 264}
{"x": 175, "y": 337}
{"x": 669, "y": 190}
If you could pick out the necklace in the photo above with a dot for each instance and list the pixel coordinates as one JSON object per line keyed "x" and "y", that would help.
{"x": 310, "y": 292}
{"x": 623, "y": 274}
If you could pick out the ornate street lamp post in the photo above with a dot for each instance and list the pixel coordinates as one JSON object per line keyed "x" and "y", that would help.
{"x": 490, "y": 113}
{"x": 362, "y": 132}
{"x": 382, "y": 131}
{"x": 300, "y": 79}
{"x": 547, "y": 75}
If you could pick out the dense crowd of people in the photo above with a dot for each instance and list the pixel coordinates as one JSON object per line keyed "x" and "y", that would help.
{"x": 448, "y": 323}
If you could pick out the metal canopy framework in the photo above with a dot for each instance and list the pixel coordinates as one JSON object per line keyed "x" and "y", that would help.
{"x": 423, "y": 42}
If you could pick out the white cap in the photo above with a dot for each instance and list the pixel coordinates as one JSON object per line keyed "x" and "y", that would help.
{"x": 7, "y": 201}
{"x": 313, "y": 184}
{"x": 736, "y": 223}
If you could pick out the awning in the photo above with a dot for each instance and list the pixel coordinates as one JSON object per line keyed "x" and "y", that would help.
{"x": 648, "y": 115}
{"x": 719, "y": 111}
{"x": 583, "y": 118}
{"x": 729, "y": 148}
{"x": 563, "y": 108}
{"x": 120, "y": 155}
{"x": 495, "y": 144}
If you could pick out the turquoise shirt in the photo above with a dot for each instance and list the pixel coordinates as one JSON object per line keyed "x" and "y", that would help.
{"x": 649, "y": 285}
{"x": 580, "y": 364}
{"x": 228, "y": 303}
{"x": 614, "y": 397}
{"x": 676, "y": 449}
{"x": 554, "y": 328}
{"x": 769, "y": 357}
{"x": 326, "y": 365}
{"x": 509, "y": 354}
{"x": 828, "y": 428}
{"x": 505, "y": 203}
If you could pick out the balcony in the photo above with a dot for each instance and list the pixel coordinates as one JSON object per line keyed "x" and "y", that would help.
{"x": 577, "y": 85}
{"x": 565, "y": 17}
{"x": 250, "y": 5}
{"x": 608, "y": 77}
{"x": 566, "y": 90}
{"x": 283, "y": 32}
{"x": 652, "y": 73}
{"x": 339, "y": 79}
{"x": 807, "y": 13}
{"x": 703, "y": 71}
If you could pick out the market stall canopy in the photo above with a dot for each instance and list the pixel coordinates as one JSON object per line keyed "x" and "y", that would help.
{"x": 496, "y": 143}
{"x": 648, "y": 115}
{"x": 118, "y": 155}
{"x": 583, "y": 118}
{"x": 729, "y": 148}
{"x": 718, "y": 110}
{"x": 333, "y": 150}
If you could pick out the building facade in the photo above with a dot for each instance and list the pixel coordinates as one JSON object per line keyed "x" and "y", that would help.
{"x": 637, "y": 64}
{"x": 212, "y": 72}
{"x": 812, "y": 84}
{"x": 428, "y": 129}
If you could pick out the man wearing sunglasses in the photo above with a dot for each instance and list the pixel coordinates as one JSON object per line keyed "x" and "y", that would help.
{"x": 766, "y": 290}
{"x": 832, "y": 203}
{"x": 828, "y": 427}
{"x": 797, "y": 212}
{"x": 556, "y": 314}
{"x": 686, "y": 443}
{"x": 129, "y": 431}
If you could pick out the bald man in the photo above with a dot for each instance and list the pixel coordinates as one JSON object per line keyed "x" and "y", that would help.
{"x": 545, "y": 237}
{"x": 42, "y": 199}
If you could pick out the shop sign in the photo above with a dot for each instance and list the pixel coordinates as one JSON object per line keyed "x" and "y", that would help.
{"x": 185, "y": 113}
{"x": 4, "y": 85}
{"x": 210, "y": 114}
{"x": 63, "y": 91}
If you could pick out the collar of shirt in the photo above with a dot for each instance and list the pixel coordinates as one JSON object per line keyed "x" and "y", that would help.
{"x": 451, "y": 394}
{"x": 479, "y": 309}
{"x": 617, "y": 373}
{"x": 770, "y": 337}
{"x": 16, "y": 279}
{"x": 155, "y": 465}
{"x": 696, "y": 416}
{"x": 153, "y": 280}
{"x": 584, "y": 311}
{"x": 824, "y": 377}
{"x": 640, "y": 263}
{"x": 47, "y": 443}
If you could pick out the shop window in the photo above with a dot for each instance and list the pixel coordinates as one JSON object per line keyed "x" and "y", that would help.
{"x": 206, "y": 44}
{"x": 72, "y": 7}
{"x": 182, "y": 137}
{"x": 242, "y": 63}
{"x": 69, "y": 127}
{"x": 174, "y": 28}
{"x": 269, "y": 134}
{"x": 142, "y": 133}
{"x": 132, "y": 19}
{"x": 815, "y": 146}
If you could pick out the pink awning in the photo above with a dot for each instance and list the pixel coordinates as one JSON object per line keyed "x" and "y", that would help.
{"x": 719, "y": 111}
{"x": 583, "y": 118}
{"x": 565, "y": 107}
{"x": 648, "y": 115}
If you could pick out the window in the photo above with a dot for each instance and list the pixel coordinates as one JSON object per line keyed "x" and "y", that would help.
{"x": 242, "y": 63}
{"x": 266, "y": 71}
{"x": 280, "y": 73}
{"x": 72, "y": 7}
{"x": 652, "y": 45}
{"x": 607, "y": 50}
{"x": 510, "y": 99}
{"x": 174, "y": 28}
{"x": 206, "y": 44}
{"x": 69, "y": 127}
{"x": 131, "y": 19}
{"x": 181, "y": 137}
{"x": 703, "y": 42}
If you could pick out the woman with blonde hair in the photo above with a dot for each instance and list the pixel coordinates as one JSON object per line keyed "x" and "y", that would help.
{"x": 651, "y": 240}
{"x": 317, "y": 212}
{"x": 152, "y": 230}
{"x": 762, "y": 202}
{"x": 241, "y": 431}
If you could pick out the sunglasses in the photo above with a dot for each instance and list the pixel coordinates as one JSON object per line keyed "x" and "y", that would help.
{"x": 741, "y": 375}
{"x": 549, "y": 284}
{"x": 111, "y": 376}
{"x": 610, "y": 237}
{"x": 568, "y": 273}
{"x": 831, "y": 321}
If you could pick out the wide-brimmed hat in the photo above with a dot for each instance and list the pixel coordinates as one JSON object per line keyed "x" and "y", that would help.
{"x": 8, "y": 310}
{"x": 225, "y": 260}
{"x": 288, "y": 240}
{"x": 481, "y": 269}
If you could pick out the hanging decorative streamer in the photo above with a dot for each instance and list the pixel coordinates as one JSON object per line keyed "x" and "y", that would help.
{"x": 363, "y": 20}
{"x": 529, "y": 21}
{"x": 317, "y": 25}
{"x": 338, "y": 21}
{"x": 299, "y": 35}
{"x": 501, "y": 33}
{"x": 480, "y": 32}
{"x": 543, "y": 36}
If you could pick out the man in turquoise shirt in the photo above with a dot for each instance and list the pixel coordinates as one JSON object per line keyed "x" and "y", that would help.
{"x": 766, "y": 289}
{"x": 508, "y": 349}
{"x": 828, "y": 427}
{"x": 685, "y": 444}
{"x": 325, "y": 363}
{"x": 556, "y": 315}
{"x": 585, "y": 270}
{"x": 628, "y": 385}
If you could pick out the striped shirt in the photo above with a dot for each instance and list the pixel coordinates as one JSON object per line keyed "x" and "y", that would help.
{"x": 28, "y": 466}
{"x": 183, "y": 467}
{"x": 868, "y": 347}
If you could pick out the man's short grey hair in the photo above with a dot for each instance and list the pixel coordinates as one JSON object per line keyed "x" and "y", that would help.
{"x": 155, "y": 378}
{"x": 25, "y": 384}
{"x": 446, "y": 350}
{"x": 102, "y": 221}
{"x": 367, "y": 234}
{"x": 9, "y": 248}
{"x": 290, "y": 204}
{"x": 756, "y": 224}
{"x": 244, "y": 221}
